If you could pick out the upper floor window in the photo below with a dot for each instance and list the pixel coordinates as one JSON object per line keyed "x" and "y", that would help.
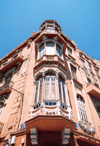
{"x": 81, "y": 108}
{"x": 58, "y": 50}
{"x": 41, "y": 51}
{"x": 69, "y": 51}
{"x": 83, "y": 63}
{"x": 50, "y": 48}
{"x": 73, "y": 69}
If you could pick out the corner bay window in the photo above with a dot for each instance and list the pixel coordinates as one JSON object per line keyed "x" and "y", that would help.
{"x": 50, "y": 89}
{"x": 49, "y": 48}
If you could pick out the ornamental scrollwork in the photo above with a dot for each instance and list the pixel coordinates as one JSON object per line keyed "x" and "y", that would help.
{"x": 87, "y": 129}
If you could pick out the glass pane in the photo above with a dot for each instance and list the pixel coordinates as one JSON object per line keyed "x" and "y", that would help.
{"x": 41, "y": 51}
{"x": 47, "y": 88}
{"x": 50, "y": 48}
{"x": 53, "y": 88}
{"x": 36, "y": 92}
{"x": 58, "y": 50}
{"x": 60, "y": 91}
{"x": 40, "y": 93}
{"x": 63, "y": 88}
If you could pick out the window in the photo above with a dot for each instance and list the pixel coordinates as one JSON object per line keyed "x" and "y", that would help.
{"x": 73, "y": 69}
{"x": 69, "y": 51}
{"x": 50, "y": 48}
{"x": 8, "y": 78}
{"x": 83, "y": 63}
{"x": 88, "y": 81}
{"x": 50, "y": 87}
{"x": 58, "y": 51}
{"x": 41, "y": 51}
{"x": 81, "y": 108}
{"x": 62, "y": 90}
{"x": 50, "y": 29}
{"x": 38, "y": 90}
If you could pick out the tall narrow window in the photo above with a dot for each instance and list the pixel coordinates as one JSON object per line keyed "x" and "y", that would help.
{"x": 50, "y": 87}
{"x": 50, "y": 48}
{"x": 58, "y": 51}
{"x": 62, "y": 90}
{"x": 73, "y": 69}
{"x": 41, "y": 51}
{"x": 38, "y": 89}
{"x": 81, "y": 108}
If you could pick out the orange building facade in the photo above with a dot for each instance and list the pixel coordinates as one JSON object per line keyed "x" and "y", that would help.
{"x": 49, "y": 92}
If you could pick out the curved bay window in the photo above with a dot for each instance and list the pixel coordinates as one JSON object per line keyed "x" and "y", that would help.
{"x": 50, "y": 87}
{"x": 50, "y": 48}
{"x": 49, "y": 83}
{"x": 81, "y": 108}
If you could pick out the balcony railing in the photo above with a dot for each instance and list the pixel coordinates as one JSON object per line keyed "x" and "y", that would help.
{"x": 11, "y": 62}
{"x": 1, "y": 127}
{"x": 50, "y": 108}
{"x": 6, "y": 88}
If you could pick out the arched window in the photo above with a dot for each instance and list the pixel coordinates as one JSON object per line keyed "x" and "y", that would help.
{"x": 38, "y": 90}
{"x": 81, "y": 108}
{"x": 50, "y": 87}
{"x": 50, "y": 48}
{"x": 58, "y": 50}
{"x": 62, "y": 90}
{"x": 41, "y": 51}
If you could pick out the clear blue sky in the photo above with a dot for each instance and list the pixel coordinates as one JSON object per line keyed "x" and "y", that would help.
{"x": 79, "y": 20}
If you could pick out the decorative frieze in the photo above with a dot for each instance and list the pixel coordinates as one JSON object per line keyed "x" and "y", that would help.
{"x": 46, "y": 110}
{"x": 86, "y": 128}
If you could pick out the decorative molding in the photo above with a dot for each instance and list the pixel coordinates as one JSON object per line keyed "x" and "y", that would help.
{"x": 86, "y": 128}
{"x": 12, "y": 70}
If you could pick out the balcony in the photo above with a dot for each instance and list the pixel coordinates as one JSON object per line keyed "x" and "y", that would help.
{"x": 6, "y": 88}
{"x": 50, "y": 116}
{"x": 6, "y": 65}
{"x": 54, "y": 59}
{"x": 50, "y": 108}
{"x": 93, "y": 90}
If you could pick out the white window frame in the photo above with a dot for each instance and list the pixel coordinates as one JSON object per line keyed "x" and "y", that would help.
{"x": 50, "y": 91}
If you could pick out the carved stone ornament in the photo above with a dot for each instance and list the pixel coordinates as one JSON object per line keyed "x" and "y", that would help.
{"x": 1, "y": 75}
{"x": 87, "y": 129}
{"x": 18, "y": 63}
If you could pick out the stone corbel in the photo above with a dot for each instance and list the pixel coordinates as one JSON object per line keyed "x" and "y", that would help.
{"x": 65, "y": 135}
{"x": 34, "y": 135}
